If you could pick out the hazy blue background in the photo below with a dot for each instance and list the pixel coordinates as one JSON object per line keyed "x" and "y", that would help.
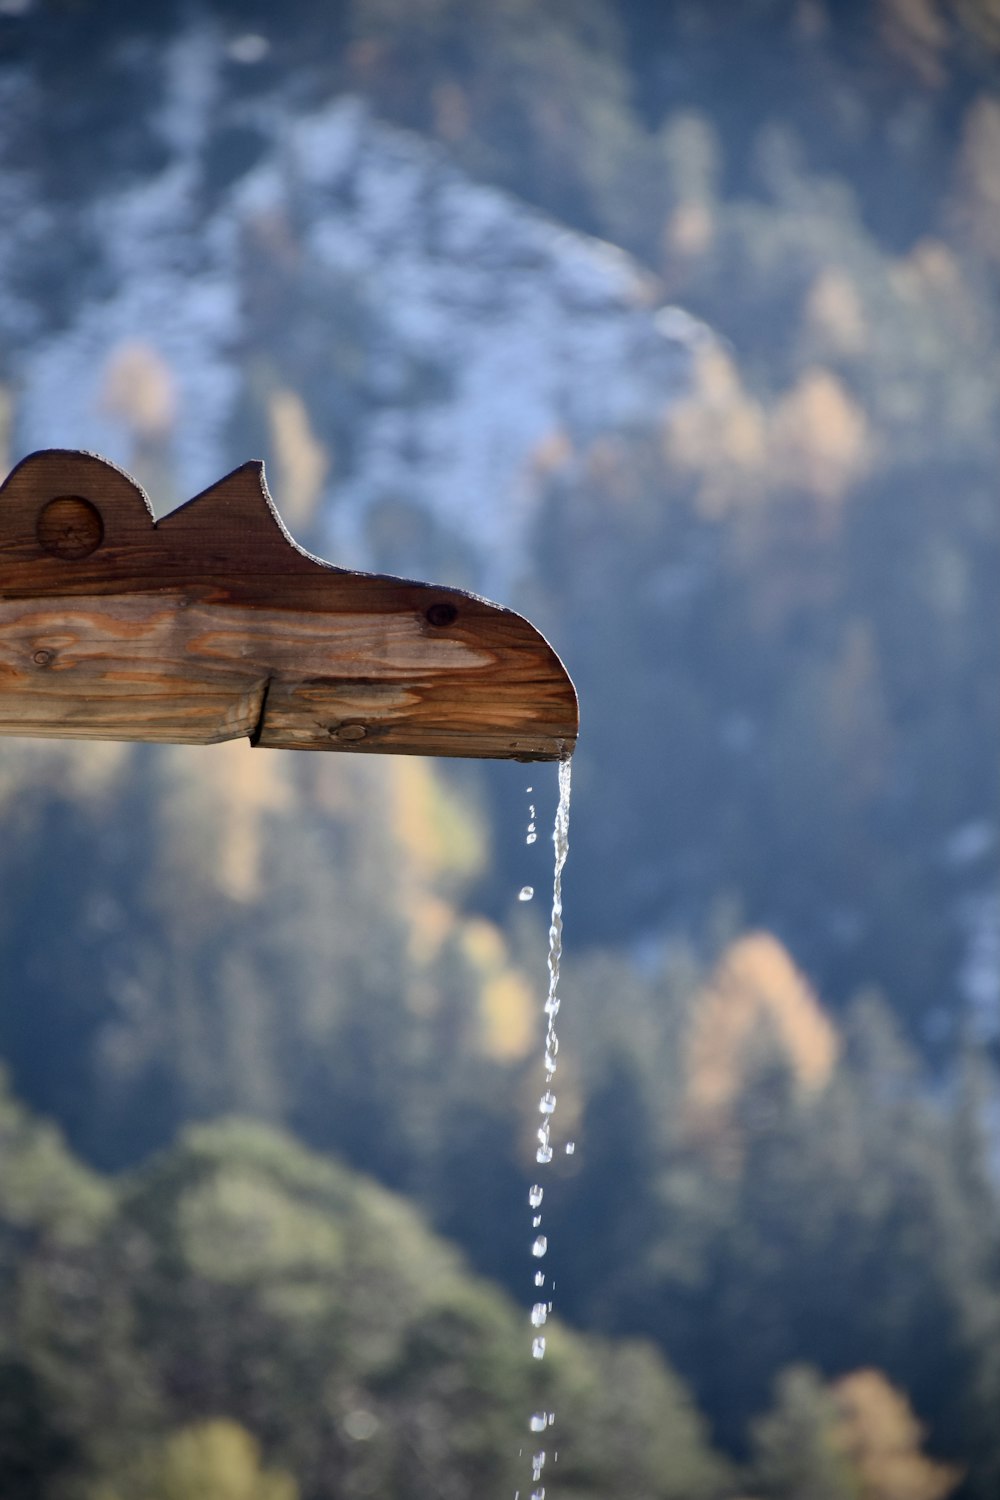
{"x": 675, "y": 326}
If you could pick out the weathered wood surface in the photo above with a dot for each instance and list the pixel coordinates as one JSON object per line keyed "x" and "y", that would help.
{"x": 212, "y": 624}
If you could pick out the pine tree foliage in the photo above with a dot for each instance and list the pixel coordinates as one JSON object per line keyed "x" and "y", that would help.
{"x": 777, "y": 597}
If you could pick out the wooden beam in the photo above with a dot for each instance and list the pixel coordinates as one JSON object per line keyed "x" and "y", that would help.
{"x": 213, "y": 624}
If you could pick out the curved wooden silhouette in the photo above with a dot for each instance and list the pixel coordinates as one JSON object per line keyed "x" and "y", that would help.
{"x": 213, "y": 624}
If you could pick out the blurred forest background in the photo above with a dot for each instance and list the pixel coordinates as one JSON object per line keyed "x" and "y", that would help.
{"x": 270, "y": 1027}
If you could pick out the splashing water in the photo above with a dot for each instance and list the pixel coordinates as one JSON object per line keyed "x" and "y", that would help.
{"x": 560, "y": 839}
{"x": 540, "y": 1311}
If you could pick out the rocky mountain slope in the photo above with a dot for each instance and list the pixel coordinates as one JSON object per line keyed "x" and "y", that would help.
{"x": 455, "y": 336}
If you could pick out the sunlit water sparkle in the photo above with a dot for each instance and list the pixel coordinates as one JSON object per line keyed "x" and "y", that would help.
{"x": 540, "y": 1420}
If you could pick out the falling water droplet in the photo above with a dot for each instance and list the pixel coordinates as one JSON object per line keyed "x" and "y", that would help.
{"x": 537, "y": 1463}
{"x": 540, "y": 1311}
{"x": 570, "y": 1147}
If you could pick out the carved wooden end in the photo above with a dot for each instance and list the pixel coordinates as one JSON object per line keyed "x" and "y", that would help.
{"x": 213, "y": 624}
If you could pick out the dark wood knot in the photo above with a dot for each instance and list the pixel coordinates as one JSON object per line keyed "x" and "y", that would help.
{"x": 70, "y": 527}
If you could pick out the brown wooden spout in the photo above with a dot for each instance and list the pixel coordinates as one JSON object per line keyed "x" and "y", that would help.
{"x": 213, "y": 624}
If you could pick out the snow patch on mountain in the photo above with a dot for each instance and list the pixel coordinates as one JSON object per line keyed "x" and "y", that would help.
{"x": 536, "y": 333}
{"x": 979, "y": 972}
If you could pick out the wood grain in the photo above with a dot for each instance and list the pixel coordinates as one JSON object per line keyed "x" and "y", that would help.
{"x": 213, "y": 624}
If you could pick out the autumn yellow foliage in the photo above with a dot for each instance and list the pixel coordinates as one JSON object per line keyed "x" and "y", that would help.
{"x": 754, "y": 988}
{"x": 877, "y": 1432}
{"x": 216, "y": 1460}
{"x": 818, "y": 440}
{"x": 302, "y": 460}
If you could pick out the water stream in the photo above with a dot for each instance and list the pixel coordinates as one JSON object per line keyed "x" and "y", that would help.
{"x": 541, "y": 1307}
